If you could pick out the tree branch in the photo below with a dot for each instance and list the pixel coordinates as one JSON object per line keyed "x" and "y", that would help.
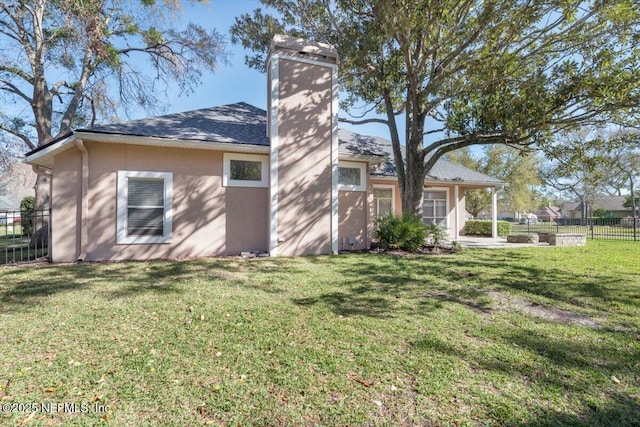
{"x": 11, "y": 88}
{"x": 20, "y": 135}
{"x": 363, "y": 122}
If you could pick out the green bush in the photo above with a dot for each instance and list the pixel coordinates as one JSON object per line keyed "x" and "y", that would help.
{"x": 26, "y": 215}
{"x": 435, "y": 234}
{"x": 406, "y": 232}
{"x": 483, "y": 228}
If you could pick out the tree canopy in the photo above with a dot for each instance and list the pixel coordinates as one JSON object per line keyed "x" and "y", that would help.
{"x": 471, "y": 72}
{"x": 67, "y": 63}
{"x": 589, "y": 163}
{"x": 509, "y": 165}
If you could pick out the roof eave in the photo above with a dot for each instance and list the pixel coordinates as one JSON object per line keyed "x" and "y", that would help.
{"x": 485, "y": 184}
{"x": 171, "y": 142}
{"x": 369, "y": 158}
{"x": 44, "y": 156}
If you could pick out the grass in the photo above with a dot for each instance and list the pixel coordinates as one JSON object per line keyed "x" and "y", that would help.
{"x": 533, "y": 336}
{"x": 10, "y": 230}
{"x": 16, "y": 248}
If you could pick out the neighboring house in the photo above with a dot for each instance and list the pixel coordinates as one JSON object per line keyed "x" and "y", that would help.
{"x": 9, "y": 203}
{"x": 611, "y": 204}
{"x": 9, "y": 209}
{"x": 507, "y": 216}
{"x": 568, "y": 209}
{"x": 223, "y": 180}
{"x": 548, "y": 213}
{"x": 19, "y": 183}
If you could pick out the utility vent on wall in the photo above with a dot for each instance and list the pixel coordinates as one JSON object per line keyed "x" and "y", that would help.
{"x": 348, "y": 243}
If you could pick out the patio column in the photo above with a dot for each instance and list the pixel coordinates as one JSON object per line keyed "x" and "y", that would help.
{"x": 456, "y": 208}
{"x": 494, "y": 212}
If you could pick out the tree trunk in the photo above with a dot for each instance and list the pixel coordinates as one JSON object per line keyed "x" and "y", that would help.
{"x": 416, "y": 173}
{"x": 40, "y": 236}
{"x": 414, "y": 189}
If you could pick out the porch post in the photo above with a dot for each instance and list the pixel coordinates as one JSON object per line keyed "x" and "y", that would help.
{"x": 494, "y": 212}
{"x": 456, "y": 207}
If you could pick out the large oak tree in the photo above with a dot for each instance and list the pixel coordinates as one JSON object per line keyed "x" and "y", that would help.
{"x": 65, "y": 63}
{"x": 468, "y": 72}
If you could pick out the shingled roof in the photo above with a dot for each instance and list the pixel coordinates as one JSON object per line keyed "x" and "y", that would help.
{"x": 238, "y": 123}
{"x": 244, "y": 124}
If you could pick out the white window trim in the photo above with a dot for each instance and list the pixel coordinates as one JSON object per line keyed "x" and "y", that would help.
{"x": 447, "y": 203}
{"x": 123, "y": 192}
{"x": 226, "y": 170}
{"x": 393, "y": 196}
{"x": 363, "y": 176}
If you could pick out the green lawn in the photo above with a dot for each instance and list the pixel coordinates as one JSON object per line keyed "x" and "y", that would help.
{"x": 534, "y": 336}
{"x": 15, "y": 248}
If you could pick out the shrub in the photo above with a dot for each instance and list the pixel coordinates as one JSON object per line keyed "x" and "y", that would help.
{"x": 435, "y": 234}
{"x": 26, "y": 215}
{"x": 406, "y": 232}
{"x": 483, "y": 228}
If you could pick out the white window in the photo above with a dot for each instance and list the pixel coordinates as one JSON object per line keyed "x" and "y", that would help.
{"x": 352, "y": 176}
{"x": 245, "y": 170}
{"x": 434, "y": 207}
{"x": 383, "y": 200}
{"x": 145, "y": 204}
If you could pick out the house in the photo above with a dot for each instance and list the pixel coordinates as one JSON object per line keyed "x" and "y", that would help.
{"x": 548, "y": 213}
{"x": 9, "y": 203}
{"x": 568, "y": 208}
{"x": 612, "y": 205}
{"x": 233, "y": 178}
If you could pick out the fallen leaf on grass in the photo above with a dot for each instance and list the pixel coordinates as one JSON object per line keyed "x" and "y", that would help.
{"x": 49, "y": 389}
{"x": 615, "y": 379}
{"x": 377, "y": 402}
{"x": 353, "y": 377}
{"x": 202, "y": 410}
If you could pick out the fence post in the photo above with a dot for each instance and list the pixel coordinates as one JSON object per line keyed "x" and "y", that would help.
{"x": 635, "y": 229}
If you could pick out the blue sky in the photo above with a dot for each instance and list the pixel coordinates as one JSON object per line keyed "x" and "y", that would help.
{"x": 235, "y": 81}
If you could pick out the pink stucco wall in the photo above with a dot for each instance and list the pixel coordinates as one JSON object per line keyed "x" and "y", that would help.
{"x": 65, "y": 206}
{"x": 208, "y": 219}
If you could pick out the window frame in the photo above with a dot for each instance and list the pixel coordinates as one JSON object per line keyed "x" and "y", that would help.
{"x": 226, "y": 170}
{"x": 375, "y": 201}
{"x": 122, "y": 208}
{"x": 446, "y": 201}
{"x": 363, "y": 176}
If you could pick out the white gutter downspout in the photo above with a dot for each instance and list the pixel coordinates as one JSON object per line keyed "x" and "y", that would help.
{"x": 84, "y": 209}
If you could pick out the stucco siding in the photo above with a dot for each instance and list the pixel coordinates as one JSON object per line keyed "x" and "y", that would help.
{"x": 65, "y": 206}
{"x": 304, "y": 159}
{"x": 208, "y": 219}
{"x": 353, "y": 220}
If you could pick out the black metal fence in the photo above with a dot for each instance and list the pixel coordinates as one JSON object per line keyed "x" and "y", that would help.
{"x": 594, "y": 228}
{"x": 24, "y": 235}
